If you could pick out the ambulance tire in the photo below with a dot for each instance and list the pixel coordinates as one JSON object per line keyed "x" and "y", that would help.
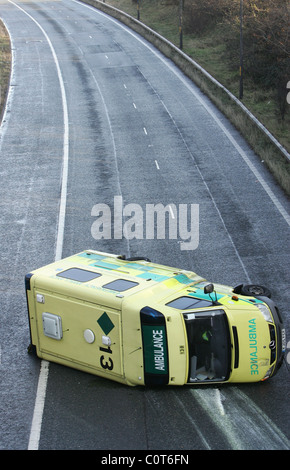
{"x": 255, "y": 290}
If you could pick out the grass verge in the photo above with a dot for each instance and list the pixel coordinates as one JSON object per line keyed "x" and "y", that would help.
{"x": 5, "y": 66}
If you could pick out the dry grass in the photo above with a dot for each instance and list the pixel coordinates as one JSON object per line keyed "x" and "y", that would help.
{"x": 5, "y": 66}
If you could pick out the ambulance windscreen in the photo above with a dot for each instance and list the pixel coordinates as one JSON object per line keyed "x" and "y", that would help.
{"x": 209, "y": 345}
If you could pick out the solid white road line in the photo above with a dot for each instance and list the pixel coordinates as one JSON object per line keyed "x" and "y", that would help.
{"x": 44, "y": 369}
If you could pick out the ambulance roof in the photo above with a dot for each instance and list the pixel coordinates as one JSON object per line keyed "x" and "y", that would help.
{"x": 114, "y": 275}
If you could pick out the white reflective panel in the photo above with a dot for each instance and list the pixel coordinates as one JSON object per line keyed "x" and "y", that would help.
{"x": 89, "y": 336}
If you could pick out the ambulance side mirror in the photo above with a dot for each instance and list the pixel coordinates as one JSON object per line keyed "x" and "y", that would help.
{"x": 208, "y": 289}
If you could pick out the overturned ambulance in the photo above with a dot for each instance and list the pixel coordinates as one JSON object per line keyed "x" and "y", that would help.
{"x": 140, "y": 323}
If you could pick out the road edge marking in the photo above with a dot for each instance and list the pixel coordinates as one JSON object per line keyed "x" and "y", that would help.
{"x": 44, "y": 367}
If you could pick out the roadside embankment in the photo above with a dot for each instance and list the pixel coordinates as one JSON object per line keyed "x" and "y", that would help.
{"x": 5, "y": 66}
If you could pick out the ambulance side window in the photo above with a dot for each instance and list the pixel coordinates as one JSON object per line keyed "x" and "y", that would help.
{"x": 76, "y": 274}
{"x": 120, "y": 285}
{"x": 183, "y": 303}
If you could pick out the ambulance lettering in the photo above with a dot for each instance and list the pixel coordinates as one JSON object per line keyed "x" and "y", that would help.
{"x": 108, "y": 363}
{"x": 158, "y": 350}
{"x": 106, "y": 325}
{"x": 155, "y": 349}
{"x": 253, "y": 347}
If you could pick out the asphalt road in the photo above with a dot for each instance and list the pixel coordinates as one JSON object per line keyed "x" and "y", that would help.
{"x": 95, "y": 112}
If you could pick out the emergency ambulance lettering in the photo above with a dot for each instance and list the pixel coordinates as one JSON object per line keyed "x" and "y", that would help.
{"x": 253, "y": 347}
{"x": 158, "y": 350}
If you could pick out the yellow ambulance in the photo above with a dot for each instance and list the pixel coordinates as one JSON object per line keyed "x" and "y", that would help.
{"x": 140, "y": 323}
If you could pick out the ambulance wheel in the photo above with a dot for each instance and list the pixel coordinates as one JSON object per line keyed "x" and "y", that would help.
{"x": 255, "y": 290}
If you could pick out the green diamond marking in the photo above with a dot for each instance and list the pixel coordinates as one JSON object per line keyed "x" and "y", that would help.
{"x": 105, "y": 323}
